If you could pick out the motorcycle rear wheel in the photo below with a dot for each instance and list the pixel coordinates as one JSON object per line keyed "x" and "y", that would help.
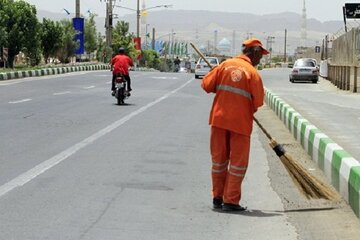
{"x": 120, "y": 96}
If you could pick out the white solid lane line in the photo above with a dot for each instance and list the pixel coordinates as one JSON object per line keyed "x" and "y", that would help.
{"x": 89, "y": 87}
{"x": 21, "y": 101}
{"x": 48, "y": 164}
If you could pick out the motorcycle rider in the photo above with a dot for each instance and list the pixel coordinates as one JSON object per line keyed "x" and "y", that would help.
{"x": 120, "y": 65}
{"x": 177, "y": 62}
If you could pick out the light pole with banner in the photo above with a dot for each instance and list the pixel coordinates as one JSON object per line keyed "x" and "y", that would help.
{"x": 78, "y": 24}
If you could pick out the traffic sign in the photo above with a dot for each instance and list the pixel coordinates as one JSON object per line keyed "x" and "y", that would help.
{"x": 352, "y": 10}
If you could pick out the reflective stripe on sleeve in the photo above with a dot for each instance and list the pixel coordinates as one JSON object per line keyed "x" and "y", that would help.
{"x": 235, "y": 90}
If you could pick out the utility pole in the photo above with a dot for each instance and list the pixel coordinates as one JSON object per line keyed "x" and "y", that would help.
{"x": 77, "y": 8}
{"x": 109, "y": 21}
{"x": 153, "y": 39}
{"x": 172, "y": 44}
{"x": 138, "y": 19}
{"x": 215, "y": 40}
{"x": 344, "y": 13}
{"x": 269, "y": 42}
{"x": 285, "y": 46}
{"x": 326, "y": 46}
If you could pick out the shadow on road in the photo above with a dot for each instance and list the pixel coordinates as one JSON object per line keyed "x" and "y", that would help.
{"x": 251, "y": 213}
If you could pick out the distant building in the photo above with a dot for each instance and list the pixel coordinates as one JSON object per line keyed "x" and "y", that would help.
{"x": 224, "y": 47}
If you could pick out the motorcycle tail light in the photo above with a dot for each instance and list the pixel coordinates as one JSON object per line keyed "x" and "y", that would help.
{"x": 119, "y": 79}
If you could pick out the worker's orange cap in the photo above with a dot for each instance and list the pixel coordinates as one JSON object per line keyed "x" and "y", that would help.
{"x": 254, "y": 42}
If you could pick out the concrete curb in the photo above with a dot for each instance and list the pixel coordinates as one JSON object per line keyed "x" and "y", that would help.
{"x": 341, "y": 169}
{"x": 51, "y": 71}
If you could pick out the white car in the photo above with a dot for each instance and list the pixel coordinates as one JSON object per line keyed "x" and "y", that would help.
{"x": 202, "y": 68}
{"x": 305, "y": 69}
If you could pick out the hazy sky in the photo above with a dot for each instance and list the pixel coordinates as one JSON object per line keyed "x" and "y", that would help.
{"x": 322, "y": 10}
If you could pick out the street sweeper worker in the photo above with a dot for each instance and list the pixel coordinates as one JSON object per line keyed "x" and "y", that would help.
{"x": 239, "y": 92}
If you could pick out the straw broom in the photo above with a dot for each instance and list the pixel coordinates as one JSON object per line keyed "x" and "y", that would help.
{"x": 307, "y": 184}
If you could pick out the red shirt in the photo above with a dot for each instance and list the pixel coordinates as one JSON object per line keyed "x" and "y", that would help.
{"x": 121, "y": 64}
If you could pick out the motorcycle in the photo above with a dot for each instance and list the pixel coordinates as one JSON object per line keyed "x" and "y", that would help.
{"x": 120, "y": 89}
{"x": 177, "y": 68}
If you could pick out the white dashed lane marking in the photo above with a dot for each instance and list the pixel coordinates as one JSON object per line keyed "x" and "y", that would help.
{"x": 21, "y": 101}
{"x": 53, "y": 161}
{"x": 61, "y": 93}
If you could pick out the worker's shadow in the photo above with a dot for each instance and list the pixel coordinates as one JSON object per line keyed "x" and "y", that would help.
{"x": 250, "y": 213}
{"x": 260, "y": 213}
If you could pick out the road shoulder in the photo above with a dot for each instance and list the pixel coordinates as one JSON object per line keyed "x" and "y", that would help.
{"x": 329, "y": 220}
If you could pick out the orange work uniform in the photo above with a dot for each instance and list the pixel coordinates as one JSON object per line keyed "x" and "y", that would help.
{"x": 239, "y": 93}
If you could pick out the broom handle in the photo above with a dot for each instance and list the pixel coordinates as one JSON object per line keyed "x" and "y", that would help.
{"x": 263, "y": 129}
{"x": 207, "y": 62}
{"x": 201, "y": 55}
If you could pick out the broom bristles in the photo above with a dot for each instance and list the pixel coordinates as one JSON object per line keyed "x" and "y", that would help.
{"x": 309, "y": 185}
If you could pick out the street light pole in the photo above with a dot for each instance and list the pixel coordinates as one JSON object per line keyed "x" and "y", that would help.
{"x": 146, "y": 35}
{"x": 109, "y": 21}
{"x": 138, "y": 13}
{"x": 269, "y": 42}
{"x": 138, "y": 19}
{"x": 285, "y": 58}
{"x": 77, "y": 8}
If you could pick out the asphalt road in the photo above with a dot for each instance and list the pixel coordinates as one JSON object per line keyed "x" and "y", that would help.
{"x": 335, "y": 112}
{"x": 76, "y": 166}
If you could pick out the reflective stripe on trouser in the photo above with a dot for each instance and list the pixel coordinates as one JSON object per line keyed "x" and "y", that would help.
{"x": 230, "y": 157}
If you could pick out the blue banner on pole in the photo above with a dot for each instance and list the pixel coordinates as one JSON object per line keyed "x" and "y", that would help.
{"x": 78, "y": 24}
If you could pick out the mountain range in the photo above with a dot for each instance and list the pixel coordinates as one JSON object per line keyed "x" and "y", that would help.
{"x": 200, "y": 26}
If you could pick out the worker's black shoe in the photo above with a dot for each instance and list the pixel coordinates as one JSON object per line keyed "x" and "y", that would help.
{"x": 232, "y": 207}
{"x": 217, "y": 203}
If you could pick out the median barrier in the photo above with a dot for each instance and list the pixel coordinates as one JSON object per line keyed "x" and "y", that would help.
{"x": 339, "y": 166}
{"x": 51, "y": 71}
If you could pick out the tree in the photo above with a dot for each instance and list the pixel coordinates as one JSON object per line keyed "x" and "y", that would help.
{"x": 122, "y": 38}
{"x": 90, "y": 37}
{"x": 151, "y": 59}
{"x": 4, "y": 18}
{"x": 68, "y": 43}
{"x": 51, "y": 38}
{"x": 22, "y": 28}
{"x": 101, "y": 49}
